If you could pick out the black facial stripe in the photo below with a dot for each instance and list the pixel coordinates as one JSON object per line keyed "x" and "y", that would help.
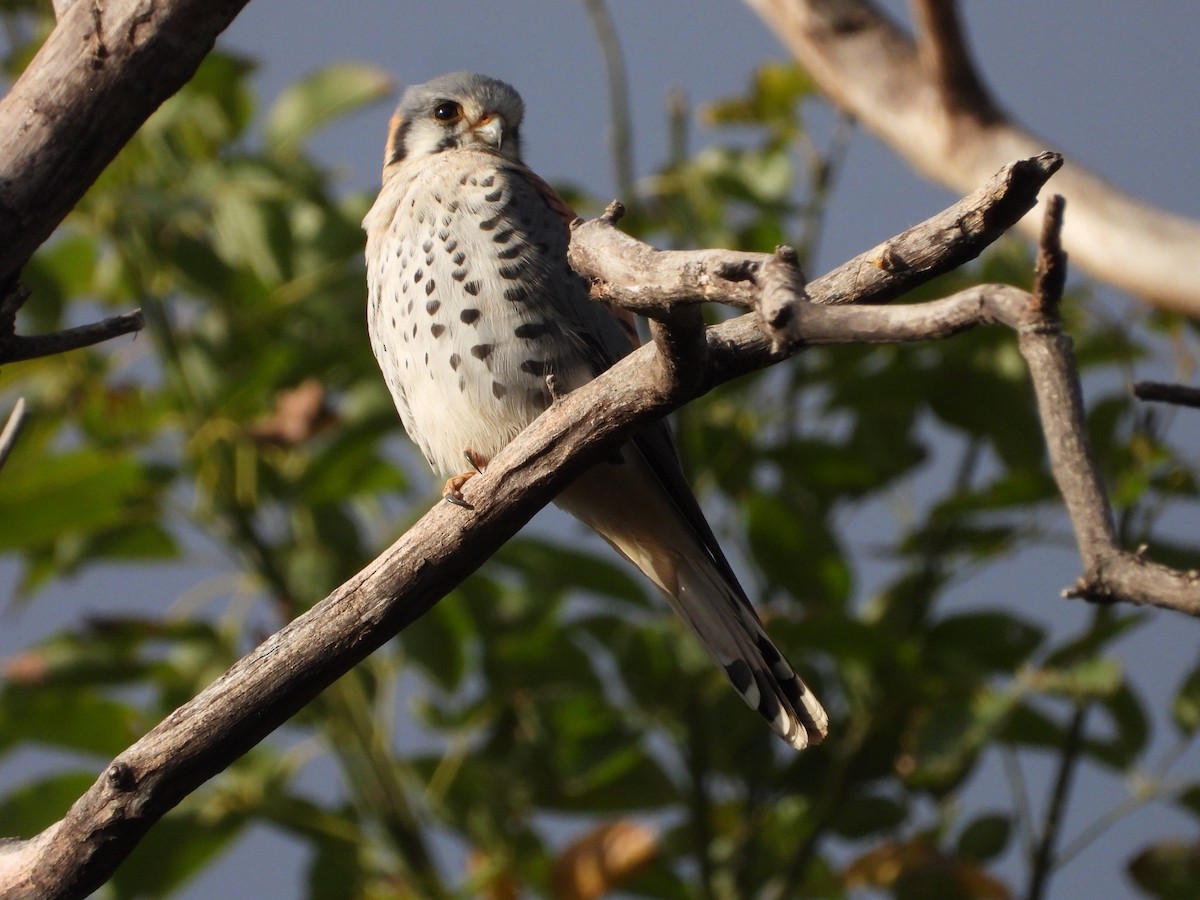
{"x": 399, "y": 142}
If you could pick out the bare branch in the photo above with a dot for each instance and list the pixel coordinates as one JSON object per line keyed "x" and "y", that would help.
{"x": 942, "y": 50}
{"x": 652, "y": 282}
{"x": 17, "y": 347}
{"x": 269, "y": 685}
{"x": 1110, "y": 573}
{"x": 12, "y": 429}
{"x": 872, "y": 70}
{"x": 1179, "y": 394}
{"x": 71, "y": 111}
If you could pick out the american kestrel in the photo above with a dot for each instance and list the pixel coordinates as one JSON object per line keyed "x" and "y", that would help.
{"x": 472, "y": 305}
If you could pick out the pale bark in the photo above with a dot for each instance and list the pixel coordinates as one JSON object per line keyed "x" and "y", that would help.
{"x": 924, "y": 99}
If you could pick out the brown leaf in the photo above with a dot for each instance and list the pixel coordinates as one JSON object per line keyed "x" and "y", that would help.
{"x": 603, "y": 858}
{"x": 300, "y": 413}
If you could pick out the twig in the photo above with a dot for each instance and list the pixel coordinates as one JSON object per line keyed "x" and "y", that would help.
{"x": 621, "y": 135}
{"x": 1109, "y": 573}
{"x": 1158, "y": 392}
{"x": 12, "y": 428}
{"x": 18, "y": 347}
{"x": 1044, "y": 857}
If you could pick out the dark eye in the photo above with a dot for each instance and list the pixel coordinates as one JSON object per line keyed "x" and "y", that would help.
{"x": 447, "y": 111}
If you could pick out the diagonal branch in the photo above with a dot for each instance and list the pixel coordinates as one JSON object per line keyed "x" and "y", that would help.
{"x": 71, "y": 112}
{"x": 871, "y": 69}
{"x": 265, "y": 688}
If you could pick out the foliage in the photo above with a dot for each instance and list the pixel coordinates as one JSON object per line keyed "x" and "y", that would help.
{"x": 523, "y": 726}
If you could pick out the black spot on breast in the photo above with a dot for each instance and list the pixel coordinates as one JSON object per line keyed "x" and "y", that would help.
{"x": 437, "y": 329}
{"x": 418, "y": 275}
{"x": 453, "y": 204}
{"x": 430, "y": 286}
{"x": 498, "y": 390}
{"x": 504, "y": 235}
{"x": 429, "y": 259}
{"x": 408, "y": 309}
{"x": 510, "y": 252}
{"x": 470, "y": 316}
{"x": 420, "y": 216}
{"x": 472, "y": 287}
{"x": 444, "y": 233}
{"x": 531, "y": 331}
{"x": 451, "y": 245}
{"x": 488, "y": 182}
{"x": 438, "y": 198}
{"x": 404, "y": 287}
{"x": 518, "y": 294}
{"x": 512, "y": 272}
{"x": 427, "y": 246}
{"x": 493, "y": 196}
{"x": 537, "y": 367}
{"x": 459, "y": 274}
{"x": 458, "y": 258}
{"x": 455, "y": 361}
{"x": 490, "y": 224}
{"x": 414, "y": 330}
{"x": 431, "y": 306}
{"x": 481, "y": 351}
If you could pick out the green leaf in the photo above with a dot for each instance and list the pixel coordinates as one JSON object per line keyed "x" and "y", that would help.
{"x": 863, "y": 815}
{"x": 78, "y": 492}
{"x": 438, "y": 642}
{"x": 175, "y": 850}
{"x": 1169, "y": 870}
{"x": 318, "y": 98}
{"x": 991, "y": 641}
{"x": 1186, "y": 708}
{"x": 71, "y": 719}
{"x": 986, "y": 837}
{"x": 35, "y": 805}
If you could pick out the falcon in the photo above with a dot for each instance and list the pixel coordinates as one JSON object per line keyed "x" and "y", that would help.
{"x": 472, "y": 307}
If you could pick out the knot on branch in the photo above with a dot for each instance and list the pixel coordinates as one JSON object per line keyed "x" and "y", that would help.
{"x": 782, "y": 292}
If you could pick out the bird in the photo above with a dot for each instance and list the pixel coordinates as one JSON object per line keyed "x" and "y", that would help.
{"x": 477, "y": 321}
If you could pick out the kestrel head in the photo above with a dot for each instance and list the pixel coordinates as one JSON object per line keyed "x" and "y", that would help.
{"x": 455, "y": 111}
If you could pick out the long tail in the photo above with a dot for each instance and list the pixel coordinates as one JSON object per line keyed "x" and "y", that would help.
{"x": 646, "y": 521}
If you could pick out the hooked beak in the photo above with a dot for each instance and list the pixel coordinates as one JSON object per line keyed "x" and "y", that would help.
{"x": 490, "y": 130}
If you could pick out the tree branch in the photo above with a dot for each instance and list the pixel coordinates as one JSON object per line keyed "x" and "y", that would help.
{"x": 1158, "y": 392}
{"x": 269, "y": 685}
{"x": 15, "y": 348}
{"x": 871, "y": 69}
{"x": 71, "y": 112}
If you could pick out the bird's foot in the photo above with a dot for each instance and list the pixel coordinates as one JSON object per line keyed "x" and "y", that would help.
{"x": 452, "y": 492}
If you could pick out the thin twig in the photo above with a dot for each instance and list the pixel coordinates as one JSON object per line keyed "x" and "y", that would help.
{"x": 19, "y": 347}
{"x": 1044, "y": 857}
{"x": 1160, "y": 392}
{"x": 12, "y": 428}
{"x": 621, "y": 136}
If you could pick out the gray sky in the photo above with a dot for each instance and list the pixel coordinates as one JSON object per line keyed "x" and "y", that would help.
{"x": 1114, "y": 83}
